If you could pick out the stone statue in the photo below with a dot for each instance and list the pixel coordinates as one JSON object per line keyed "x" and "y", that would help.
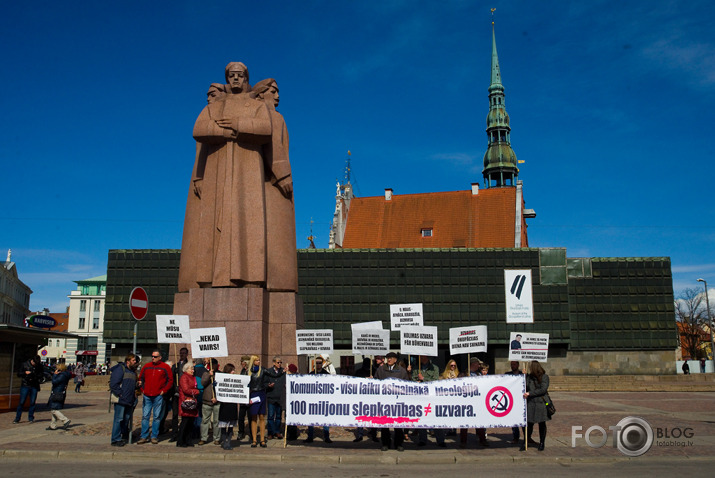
{"x": 238, "y": 264}
{"x": 242, "y": 162}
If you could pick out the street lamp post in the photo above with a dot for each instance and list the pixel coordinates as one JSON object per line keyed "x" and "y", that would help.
{"x": 710, "y": 320}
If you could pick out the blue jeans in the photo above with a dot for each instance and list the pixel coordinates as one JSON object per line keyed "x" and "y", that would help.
{"x": 120, "y": 426}
{"x": 274, "y": 418}
{"x": 24, "y": 393}
{"x": 151, "y": 405}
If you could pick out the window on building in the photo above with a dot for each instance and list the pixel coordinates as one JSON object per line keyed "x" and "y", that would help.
{"x": 81, "y": 322}
{"x": 95, "y": 323}
{"x": 82, "y": 305}
{"x": 427, "y": 232}
{"x": 96, "y": 306}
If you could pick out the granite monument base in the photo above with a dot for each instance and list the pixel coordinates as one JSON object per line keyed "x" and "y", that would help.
{"x": 257, "y": 321}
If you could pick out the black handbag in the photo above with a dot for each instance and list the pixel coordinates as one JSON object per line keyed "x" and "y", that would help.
{"x": 57, "y": 396}
{"x": 550, "y": 408}
{"x": 189, "y": 405}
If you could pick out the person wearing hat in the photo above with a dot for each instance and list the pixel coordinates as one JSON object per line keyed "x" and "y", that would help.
{"x": 390, "y": 369}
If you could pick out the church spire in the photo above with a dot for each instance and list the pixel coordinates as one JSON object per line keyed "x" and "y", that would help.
{"x": 500, "y": 164}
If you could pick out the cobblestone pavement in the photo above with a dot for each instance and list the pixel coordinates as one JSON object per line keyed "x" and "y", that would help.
{"x": 683, "y": 425}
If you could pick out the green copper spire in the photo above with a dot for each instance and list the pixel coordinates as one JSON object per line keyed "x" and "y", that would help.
{"x": 500, "y": 168}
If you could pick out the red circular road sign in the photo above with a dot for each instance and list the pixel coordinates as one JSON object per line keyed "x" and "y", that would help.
{"x": 138, "y": 303}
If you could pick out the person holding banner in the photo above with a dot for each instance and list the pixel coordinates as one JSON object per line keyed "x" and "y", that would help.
{"x": 257, "y": 401}
{"x": 227, "y": 415}
{"x": 390, "y": 369}
{"x": 326, "y": 430}
{"x": 476, "y": 368}
{"x": 209, "y": 404}
{"x": 187, "y": 393}
{"x": 537, "y": 385}
{"x": 428, "y": 372}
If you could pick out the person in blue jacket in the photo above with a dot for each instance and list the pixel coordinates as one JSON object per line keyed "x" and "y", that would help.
{"x": 60, "y": 379}
{"x": 123, "y": 384}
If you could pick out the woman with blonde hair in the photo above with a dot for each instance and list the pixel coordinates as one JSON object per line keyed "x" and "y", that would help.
{"x": 257, "y": 404}
{"x": 450, "y": 371}
{"x": 60, "y": 379}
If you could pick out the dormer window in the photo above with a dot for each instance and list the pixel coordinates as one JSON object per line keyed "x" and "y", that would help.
{"x": 426, "y": 232}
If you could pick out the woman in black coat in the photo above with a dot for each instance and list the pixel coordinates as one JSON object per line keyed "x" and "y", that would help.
{"x": 537, "y": 385}
{"x": 227, "y": 415}
{"x": 60, "y": 379}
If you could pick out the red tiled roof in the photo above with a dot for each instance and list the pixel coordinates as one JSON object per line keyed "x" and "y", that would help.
{"x": 457, "y": 219}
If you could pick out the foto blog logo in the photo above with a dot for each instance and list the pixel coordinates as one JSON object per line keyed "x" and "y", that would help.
{"x": 633, "y": 436}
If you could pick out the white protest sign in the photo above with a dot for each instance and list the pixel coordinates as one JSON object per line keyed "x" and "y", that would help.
{"x": 528, "y": 346}
{"x": 471, "y": 402}
{"x": 232, "y": 388}
{"x": 405, "y": 315}
{"x": 419, "y": 341}
{"x": 172, "y": 329}
{"x": 374, "y": 325}
{"x": 519, "y": 303}
{"x": 468, "y": 340}
{"x": 209, "y": 342}
{"x": 371, "y": 342}
{"x": 314, "y": 341}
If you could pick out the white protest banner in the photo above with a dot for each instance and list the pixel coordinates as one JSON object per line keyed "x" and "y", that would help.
{"x": 209, "y": 342}
{"x": 471, "y": 402}
{"x": 468, "y": 340}
{"x": 371, "y": 342}
{"x": 528, "y": 346}
{"x": 314, "y": 341}
{"x": 419, "y": 341}
{"x": 405, "y": 315}
{"x": 519, "y": 303}
{"x": 232, "y": 388}
{"x": 374, "y": 325}
{"x": 172, "y": 329}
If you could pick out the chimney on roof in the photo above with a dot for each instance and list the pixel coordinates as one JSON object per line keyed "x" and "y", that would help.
{"x": 388, "y": 194}
{"x": 9, "y": 255}
{"x": 475, "y": 189}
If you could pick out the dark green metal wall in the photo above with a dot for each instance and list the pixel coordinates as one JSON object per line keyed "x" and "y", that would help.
{"x": 584, "y": 304}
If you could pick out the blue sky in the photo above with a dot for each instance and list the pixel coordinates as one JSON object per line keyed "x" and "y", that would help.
{"x": 611, "y": 107}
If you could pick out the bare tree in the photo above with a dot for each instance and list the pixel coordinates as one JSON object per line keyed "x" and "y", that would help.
{"x": 691, "y": 316}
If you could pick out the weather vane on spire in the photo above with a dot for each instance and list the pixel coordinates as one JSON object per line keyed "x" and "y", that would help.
{"x": 493, "y": 15}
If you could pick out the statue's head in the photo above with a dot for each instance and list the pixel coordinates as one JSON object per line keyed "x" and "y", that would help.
{"x": 267, "y": 90}
{"x": 237, "y": 77}
{"x": 215, "y": 93}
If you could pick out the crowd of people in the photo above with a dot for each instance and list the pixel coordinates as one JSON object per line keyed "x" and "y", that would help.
{"x": 186, "y": 388}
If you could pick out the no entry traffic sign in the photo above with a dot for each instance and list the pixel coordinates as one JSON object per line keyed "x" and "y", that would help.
{"x": 138, "y": 303}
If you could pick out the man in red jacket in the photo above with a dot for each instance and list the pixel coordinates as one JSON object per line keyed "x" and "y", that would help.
{"x": 155, "y": 381}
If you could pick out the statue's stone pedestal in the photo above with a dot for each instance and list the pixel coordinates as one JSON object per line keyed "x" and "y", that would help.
{"x": 257, "y": 321}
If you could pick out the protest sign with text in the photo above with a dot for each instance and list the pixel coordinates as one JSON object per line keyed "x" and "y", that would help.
{"x": 519, "y": 303}
{"x": 231, "y": 387}
{"x": 528, "y": 346}
{"x": 172, "y": 329}
{"x": 468, "y": 340}
{"x": 470, "y": 402}
{"x": 314, "y": 341}
{"x": 374, "y": 325}
{"x": 371, "y": 342}
{"x": 419, "y": 341}
{"x": 405, "y": 315}
{"x": 209, "y": 342}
